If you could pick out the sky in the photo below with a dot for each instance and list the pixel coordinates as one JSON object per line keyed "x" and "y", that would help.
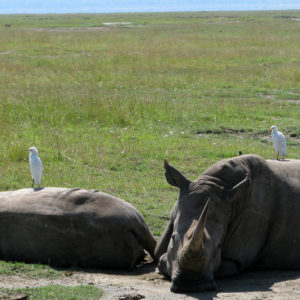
{"x": 98, "y": 6}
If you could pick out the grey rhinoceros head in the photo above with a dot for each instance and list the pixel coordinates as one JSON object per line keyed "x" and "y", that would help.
{"x": 189, "y": 250}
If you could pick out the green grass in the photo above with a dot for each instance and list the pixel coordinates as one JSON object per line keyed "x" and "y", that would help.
{"x": 55, "y": 292}
{"x": 105, "y": 107}
{"x": 33, "y": 271}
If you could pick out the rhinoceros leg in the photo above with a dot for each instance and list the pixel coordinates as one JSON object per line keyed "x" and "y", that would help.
{"x": 227, "y": 268}
{"x": 137, "y": 252}
{"x": 145, "y": 238}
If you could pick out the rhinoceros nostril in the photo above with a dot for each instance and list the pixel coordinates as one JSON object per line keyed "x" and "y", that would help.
{"x": 175, "y": 288}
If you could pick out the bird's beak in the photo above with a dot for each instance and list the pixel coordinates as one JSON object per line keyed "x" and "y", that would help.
{"x": 26, "y": 150}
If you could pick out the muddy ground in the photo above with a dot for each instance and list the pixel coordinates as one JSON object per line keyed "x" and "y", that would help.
{"x": 145, "y": 283}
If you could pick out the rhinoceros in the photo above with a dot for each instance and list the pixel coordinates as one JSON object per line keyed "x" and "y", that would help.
{"x": 72, "y": 227}
{"x": 242, "y": 213}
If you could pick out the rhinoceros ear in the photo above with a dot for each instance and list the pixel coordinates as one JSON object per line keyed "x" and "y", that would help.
{"x": 235, "y": 192}
{"x": 174, "y": 177}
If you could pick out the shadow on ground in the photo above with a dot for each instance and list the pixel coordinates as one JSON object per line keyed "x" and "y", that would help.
{"x": 260, "y": 281}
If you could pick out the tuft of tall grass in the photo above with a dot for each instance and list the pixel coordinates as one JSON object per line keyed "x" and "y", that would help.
{"x": 28, "y": 270}
{"x": 81, "y": 292}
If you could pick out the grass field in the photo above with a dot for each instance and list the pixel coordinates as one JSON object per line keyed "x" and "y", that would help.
{"x": 104, "y": 106}
{"x": 106, "y": 103}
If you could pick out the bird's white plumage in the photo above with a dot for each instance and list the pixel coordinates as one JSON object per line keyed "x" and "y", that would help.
{"x": 278, "y": 141}
{"x": 36, "y": 166}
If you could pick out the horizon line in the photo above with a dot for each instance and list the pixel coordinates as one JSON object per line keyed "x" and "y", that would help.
{"x": 145, "y": 11}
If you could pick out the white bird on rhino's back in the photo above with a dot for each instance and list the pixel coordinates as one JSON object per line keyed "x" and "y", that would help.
{"x": 278, "y": 141}
{"x": 36, "y": 166}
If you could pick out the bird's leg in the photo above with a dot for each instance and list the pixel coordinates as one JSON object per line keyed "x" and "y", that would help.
{"x": 277, "y": 155}
{"x": 32, "y": 183}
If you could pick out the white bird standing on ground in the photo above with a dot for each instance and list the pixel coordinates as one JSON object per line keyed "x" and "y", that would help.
{"x": 278, "y": 141}
{"x": 36, "y": 166}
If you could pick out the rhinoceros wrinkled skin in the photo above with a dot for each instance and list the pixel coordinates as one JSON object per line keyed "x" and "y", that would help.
{"x": 71, "y": 227}
{"x": 242, "y": 213}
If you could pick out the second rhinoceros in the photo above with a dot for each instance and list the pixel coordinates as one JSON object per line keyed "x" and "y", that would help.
{"x": 71, "y": 227}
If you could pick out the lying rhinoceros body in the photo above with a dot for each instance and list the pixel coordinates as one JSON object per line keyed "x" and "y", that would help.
{"x": 71, "y": 227}
{"x": 241, "y": 213}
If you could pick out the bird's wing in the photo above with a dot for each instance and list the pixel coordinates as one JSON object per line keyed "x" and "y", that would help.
{"x": 36, "y": 167}
{"x": 41, "y": 164}
{"x": 281, "y": 143}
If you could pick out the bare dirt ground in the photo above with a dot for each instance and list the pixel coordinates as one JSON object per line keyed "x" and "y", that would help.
{"x": 145, "y": 282}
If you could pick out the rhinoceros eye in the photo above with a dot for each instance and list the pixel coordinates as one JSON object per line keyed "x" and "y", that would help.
{"x": 173, "y": 239}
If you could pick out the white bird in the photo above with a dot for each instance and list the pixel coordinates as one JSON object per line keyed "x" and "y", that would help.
{"x": 278, "y": 141}
{"x": 36, "y": 166}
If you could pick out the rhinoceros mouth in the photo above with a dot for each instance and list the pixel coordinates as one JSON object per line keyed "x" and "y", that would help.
{"x": 190, "y": 281}
{"x": 193, "y": 287}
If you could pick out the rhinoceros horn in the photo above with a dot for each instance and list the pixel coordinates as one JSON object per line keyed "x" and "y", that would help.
{"x": 195, "y": 243}
{"x": 197, "y": 238}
